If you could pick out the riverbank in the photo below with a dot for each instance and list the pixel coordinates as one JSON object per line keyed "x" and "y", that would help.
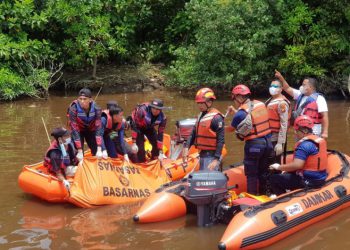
{"x": 115, "y": 79}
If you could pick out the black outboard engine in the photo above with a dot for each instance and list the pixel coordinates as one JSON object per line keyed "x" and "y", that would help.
{"x": 206, "y": 189}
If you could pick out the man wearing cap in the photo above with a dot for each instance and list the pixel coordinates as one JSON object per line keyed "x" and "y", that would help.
{"x": 61, "y": 155}
{"x": 145, "y": 118}
{"x": 84, "y": 119}
{"x": 114, "y": 125}
{"x": 309, "y": 164}
{"x": 209, "y": 134}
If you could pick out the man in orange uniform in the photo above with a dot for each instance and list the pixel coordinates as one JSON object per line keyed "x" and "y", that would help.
{"x": 251, "y": 124}
{"x": 208, "y": 135}
{"x": 308, "y": 167}
{"x": 278, "y": 107}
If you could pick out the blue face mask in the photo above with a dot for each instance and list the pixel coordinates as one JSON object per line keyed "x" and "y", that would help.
{"x": 67, "y": 141}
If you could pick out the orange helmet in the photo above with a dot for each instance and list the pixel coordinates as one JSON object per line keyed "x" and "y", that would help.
{"x": 204, "y": 94}
{"x": 303, "y": 121}
{"x": 241, "y": 90}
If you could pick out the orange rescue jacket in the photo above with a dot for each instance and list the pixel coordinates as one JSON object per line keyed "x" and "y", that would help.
{"x": 205, "y": 137}
{"x": 272, "y": 109}
{"x": 260, "y": 120}
{"x": 317, "y": 162}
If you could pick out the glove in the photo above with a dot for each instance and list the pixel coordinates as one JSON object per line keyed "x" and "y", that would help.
{"x": 126, "y": 158}
{"x": 134, "y": 148}
{"x": 99, "y": 153}
{"x": 161, "y": 156}
{"x": 184, "y": 155}
{"x": 80, "y": 155}
{"x": 278, "y": 149}
{"x": 113, "y": 135}
{"x": 66, "y": 184}
{"x": 275, "y": 166}
{"x": 104, "y": 154}
{"x": 71, "y": 170}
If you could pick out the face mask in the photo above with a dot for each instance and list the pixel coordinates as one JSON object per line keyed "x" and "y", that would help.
{"x": 302, "y": 89}
{"x": 67, "y": 141}
{"x": 273, "y": 91}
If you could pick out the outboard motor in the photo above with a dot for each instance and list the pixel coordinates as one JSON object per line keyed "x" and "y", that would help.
{"x": 184, "y": 129}
{"x": 206, "y": 189}
{"x": 183, "y": 132}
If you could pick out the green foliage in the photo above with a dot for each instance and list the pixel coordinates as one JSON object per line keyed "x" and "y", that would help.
{"x": 320, "y": 41}
{"x": 232, "y": 40}
{"x": 203, "y": 42}
{"x": 12, "y": 85}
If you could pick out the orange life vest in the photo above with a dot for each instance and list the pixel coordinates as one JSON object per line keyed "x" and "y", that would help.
{"x": 274, "y": 117}
{"x": 205, "y": 137}
{"x": 109, "y": 125}
{"x": 310, "y": 108}
{"x": 260, "y": 120}
{"x": 317, "y": 162}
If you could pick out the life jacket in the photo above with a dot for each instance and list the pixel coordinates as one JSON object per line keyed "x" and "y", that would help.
{"x": 67, "y": 160}
{"x": 309, "y": 108}
{"x": 84, "y": 121}
{"x": 317, "y": 162}
{"x": 110, "y": 127}
{"x": 272, "y": 110}
{"x": 143, "y": 120}
{"x": 205, "y": 136}
{"x": 260, "y": 120}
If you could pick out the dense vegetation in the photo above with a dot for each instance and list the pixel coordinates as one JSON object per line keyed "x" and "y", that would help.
{"x": 202, "y": 42}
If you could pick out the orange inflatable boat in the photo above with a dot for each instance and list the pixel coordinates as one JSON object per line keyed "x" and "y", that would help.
{"x": 36, "y": 180}
{"x": 253, "y": 222}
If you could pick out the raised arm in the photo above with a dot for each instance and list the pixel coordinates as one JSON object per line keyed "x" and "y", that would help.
{"x": 285, "y": 84}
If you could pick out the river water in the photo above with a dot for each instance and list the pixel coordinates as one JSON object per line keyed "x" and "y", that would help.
{"x": 28, "y": 223}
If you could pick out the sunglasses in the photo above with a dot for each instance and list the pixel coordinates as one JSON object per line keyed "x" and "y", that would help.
{"x": 275, "y": 86}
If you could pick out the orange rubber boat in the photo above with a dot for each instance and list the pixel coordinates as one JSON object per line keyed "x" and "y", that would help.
{"x": 252, "y": 223}
{"x": 36, "y": 180}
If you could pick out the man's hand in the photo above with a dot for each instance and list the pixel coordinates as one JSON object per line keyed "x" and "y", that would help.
{"x": 231, "y": 110}
{"x": 66, "y": 184}
{"x": 80, "y": 155}
{"x": 134, "y": 148}
{"x": 99, "y": 153}
{"x": 278, "y": 75}
{"x": 126, "y": 158}
{"x": 324, "y": 135}
{"x": 278, "y": 149}
{"x": 213, "y": 164}
{"x": 104, "y": 154}
{"x": 161, "y": 156}
{"x": 275, "y": 166}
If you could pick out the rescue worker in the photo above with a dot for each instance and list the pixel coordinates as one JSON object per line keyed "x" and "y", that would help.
{"x": 278, "y": 108}
{"x": 208, "y": 135}
{"x": 145, "y": 118}
{"x": 251, "y": 124}
{"x": 114, "y": 125}
{"x": 308, "y": 102}
{"x": 84, "y": 119}
{"x": 308, "y": 167}
{"x": 60, "y": 158}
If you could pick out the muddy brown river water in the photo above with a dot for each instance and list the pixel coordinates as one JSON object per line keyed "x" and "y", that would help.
{"x": 28, "y": 223}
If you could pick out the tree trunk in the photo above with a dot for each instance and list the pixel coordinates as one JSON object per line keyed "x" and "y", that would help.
{"x": 94, "y": 68}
